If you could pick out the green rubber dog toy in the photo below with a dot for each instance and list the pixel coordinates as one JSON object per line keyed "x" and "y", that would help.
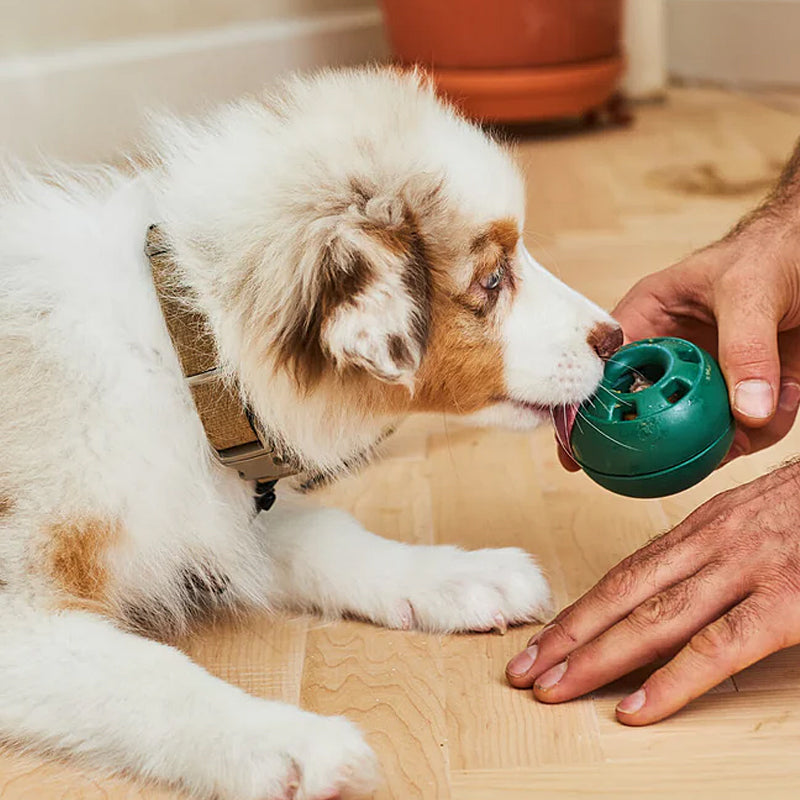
{"x": 659, "y": 423}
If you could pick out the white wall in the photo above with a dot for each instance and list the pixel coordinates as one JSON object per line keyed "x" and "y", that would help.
{"x": 735, "y": 42}
{"x": 42, "y": 25}
{"x": 76, "y": 76}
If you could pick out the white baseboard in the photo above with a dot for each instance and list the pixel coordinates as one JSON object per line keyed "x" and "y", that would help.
{"x": 739, "y": 43}
{"x": 89, "y": 103}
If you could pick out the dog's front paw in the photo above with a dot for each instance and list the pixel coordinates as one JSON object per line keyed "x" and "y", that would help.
{"x": 452, "y": 590}
{"x": 287, "y": 754}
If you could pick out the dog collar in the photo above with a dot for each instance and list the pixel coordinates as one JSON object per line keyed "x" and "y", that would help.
{"x": 232, "y": 431}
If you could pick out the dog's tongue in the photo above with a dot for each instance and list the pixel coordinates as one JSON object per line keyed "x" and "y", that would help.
{"x": 564, "y": 417}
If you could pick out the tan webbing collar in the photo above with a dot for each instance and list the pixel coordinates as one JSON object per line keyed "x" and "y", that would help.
{"x": 229, "y": 426}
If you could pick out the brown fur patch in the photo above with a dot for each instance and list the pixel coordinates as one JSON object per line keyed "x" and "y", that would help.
{"x": 502, "y": 234}
{"x": 75, "y": 556}
{"x": 399, "y": 352}
{"x": 299, "y": 347}
{"x": 418, "y": 280}
{"x": 397, "y": 239}
{"x": 463, "y": 369}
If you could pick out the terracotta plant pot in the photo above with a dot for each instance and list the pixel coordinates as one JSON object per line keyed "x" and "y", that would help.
{"x": 513, "y": 60}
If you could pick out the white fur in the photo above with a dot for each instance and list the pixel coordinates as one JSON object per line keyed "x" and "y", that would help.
{"x": 548, "y": 322}
{"x": 97, "y": 423}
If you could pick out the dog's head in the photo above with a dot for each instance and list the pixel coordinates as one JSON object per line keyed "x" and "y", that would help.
{"x": 360, "y": 247}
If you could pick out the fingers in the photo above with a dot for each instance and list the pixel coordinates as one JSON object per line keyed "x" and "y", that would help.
{"x": 747, "y": 315}
{"x": 654, "y": 629}
{"x": 626, "y": 586}
{"x": 788, "y": 397}
{"x": 726, "y": 646}
{"x": 751, "y": 440}
{"x": 782, "y": 422}
{"x": 641, "y": 313}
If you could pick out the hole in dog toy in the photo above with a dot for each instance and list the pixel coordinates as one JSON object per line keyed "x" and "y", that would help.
{"x": 639, "y": 379}
{"x": 674, "y": 390}
{"x": 690, "y": 356}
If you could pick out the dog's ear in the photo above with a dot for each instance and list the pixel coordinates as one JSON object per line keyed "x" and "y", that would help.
{"x": 379, "y": 298}
{"x": 370, "y": 300}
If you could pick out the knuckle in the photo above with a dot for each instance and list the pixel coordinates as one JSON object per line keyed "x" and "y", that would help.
{"x": 730, "y": 283}
{"x": 720, "y": 639}
{"x": 619, "y": 583}
{"x": 649, "y": 613}
{"x": 781, "y": 581}
{"x": 709, "y": 644}
{"x": 749, "y": 351}
{"x": 660, "y": 608}
{"x": 721, "y": 511}
{"x": 741, "y": 280}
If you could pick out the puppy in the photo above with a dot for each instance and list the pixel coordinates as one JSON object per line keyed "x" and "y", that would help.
{"x": 349, "y": 252}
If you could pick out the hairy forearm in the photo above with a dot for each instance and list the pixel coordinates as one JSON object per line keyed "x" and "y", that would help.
{"x": 780, "y": 210}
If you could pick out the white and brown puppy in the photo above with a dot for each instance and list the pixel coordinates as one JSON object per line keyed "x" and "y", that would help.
{"x": 355, "y": 249}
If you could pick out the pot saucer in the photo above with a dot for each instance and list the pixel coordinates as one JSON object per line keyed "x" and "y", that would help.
{"x": 534, "y": 93}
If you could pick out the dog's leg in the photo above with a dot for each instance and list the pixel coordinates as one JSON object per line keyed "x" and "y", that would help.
{"x": 324, "y": 560}
{"x": 74, "y": 683}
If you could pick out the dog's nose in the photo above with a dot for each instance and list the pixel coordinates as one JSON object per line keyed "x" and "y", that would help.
{"x": 605, "y": 339}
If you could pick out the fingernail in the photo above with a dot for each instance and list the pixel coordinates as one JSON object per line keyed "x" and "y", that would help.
{"x": 753, "y": 398}
{"x": 632, "y": 703}
{"x": 538, "y": 635}
{"x": 790, "y": 396}
{"x": 552, "y": 676}
{"x": 522, "y": 662}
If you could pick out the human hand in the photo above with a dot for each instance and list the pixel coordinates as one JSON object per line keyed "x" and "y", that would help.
{"x": 717, "y": 593}
{"x": 739, "y": 299}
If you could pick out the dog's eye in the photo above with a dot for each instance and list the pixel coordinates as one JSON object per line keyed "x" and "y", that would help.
{"x": 493, "y": 281}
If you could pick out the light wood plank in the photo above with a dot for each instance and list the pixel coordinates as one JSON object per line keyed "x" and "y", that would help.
{"x": 392, "y": 684}
{"x": 710, "y": 779}
{"x": 262, "y": 654}
{"x": 765, "y": 723}
{"x": 392, "y": 499}
{"x": 493, "y": 727}
{"x": 28, "y": 777}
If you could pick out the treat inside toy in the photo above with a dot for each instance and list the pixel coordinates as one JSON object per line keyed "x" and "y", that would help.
{"x": 639, "y": 384}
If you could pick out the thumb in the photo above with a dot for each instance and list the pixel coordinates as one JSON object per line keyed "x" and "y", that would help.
{"x": 748, "y": 355}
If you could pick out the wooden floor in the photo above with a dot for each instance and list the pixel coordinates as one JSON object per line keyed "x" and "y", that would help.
{"x": 604, "y": 209}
